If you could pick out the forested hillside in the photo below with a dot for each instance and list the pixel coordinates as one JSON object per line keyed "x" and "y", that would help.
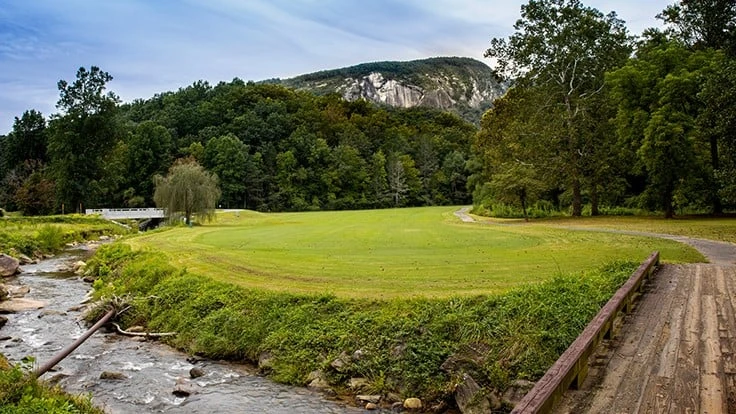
{"x": 273, "y": 149}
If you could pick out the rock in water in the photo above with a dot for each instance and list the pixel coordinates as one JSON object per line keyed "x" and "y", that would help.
{"x": 184, "y": 388}
{"x": 196, "y": 372}
{"x": 109, "y": 375}
{"x": 3, "y": 321}
{"x": 8, "y": 265}
{"x": 19, "y": 305}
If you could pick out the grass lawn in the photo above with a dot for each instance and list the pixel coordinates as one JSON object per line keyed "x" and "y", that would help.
{"x": 713, "y": 228}
{"x": 391, "y": 253}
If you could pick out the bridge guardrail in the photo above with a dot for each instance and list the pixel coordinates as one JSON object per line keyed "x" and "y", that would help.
{"x": 572, "y": 366}
{"x": 127, "y": 213}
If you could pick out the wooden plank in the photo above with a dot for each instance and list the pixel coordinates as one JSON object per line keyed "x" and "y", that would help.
{"x": 711, "y": 390}
{"x": 542, "y": 397}
{"x": 685, "y": 394}
{"x": 726, "y": 330}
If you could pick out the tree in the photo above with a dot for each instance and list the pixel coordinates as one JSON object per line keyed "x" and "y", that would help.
{"x": 563, "y": 49}
{"x": 24, "y": 146}
{"x": 188, "y": 189}
{"x": 514, "y": 157}
{"x": 149, "y": 153}
{"x": 81, "y": 137}
{"x": 658, "y": 99}
{"x": 703, "y": 24}
{"x": 36, "y": 195}
{"x": 26, "y": 141}
{"x": 718, "y": 120}
{"x": 227, "y": 157}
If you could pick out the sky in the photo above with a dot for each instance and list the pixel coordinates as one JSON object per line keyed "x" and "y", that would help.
{"x": 153, "y": 46}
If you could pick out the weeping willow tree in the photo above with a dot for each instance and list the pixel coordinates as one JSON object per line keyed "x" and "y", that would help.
{"x": 188, "y": 189}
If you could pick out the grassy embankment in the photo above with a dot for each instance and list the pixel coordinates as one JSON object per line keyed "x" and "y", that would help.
{"x": 391, "y": 294}
{"x": 49, "y": 234}
{"x": 19, "y": 392}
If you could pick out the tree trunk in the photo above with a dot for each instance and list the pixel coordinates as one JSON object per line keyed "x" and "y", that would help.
{"x": 577, "y": 198}
{"x": 522, "y": 196}
{"x": 669, "y": 208}
{"x": 594, "y": 201}
{"x": 717, "y": 207}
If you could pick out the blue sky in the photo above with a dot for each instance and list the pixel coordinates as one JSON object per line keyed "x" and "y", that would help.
{"x": 152, "y": 46}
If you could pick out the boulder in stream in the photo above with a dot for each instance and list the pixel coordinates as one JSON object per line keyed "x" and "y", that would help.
{"x": 110, "y": 375}
{"x": 3, "y": 321}
{"x": 8, "y": 265}
{"x": 184, "y": 388}
{"x": 19, "y": 304}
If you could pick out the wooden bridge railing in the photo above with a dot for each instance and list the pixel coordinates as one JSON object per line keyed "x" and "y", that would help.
{"x": 572, "y": 366}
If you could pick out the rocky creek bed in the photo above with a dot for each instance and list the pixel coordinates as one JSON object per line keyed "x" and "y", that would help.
{"x": 125, "y": 374}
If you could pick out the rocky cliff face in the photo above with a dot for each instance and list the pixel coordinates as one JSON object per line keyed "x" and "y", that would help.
{"x": 462, "y": 85}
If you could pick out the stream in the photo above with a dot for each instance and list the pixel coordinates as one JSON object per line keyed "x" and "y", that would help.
{"x": 150, "y": 370}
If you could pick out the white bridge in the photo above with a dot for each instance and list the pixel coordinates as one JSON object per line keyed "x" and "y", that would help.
{"x": 127, "y": 213}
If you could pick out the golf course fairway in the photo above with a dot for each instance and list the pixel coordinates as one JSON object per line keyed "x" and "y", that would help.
{"x": 378, "y": 254}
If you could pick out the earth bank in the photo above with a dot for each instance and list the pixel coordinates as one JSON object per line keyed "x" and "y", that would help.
{"x": 471, "y": 353}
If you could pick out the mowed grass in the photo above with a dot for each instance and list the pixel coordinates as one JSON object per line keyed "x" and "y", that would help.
{"x": 713, "y": 228}
{"x": 378, "y": 254}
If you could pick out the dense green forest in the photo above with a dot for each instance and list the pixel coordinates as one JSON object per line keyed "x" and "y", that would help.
{"x": 596, "y": 120}
{"x": 272, "y": 148}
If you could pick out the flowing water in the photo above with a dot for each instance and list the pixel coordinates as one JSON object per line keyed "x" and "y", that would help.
{"x": 150, "y": 369}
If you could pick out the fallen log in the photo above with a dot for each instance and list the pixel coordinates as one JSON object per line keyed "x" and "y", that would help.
{"x": 74, "y": 345}
{"x": 146, "y": 334}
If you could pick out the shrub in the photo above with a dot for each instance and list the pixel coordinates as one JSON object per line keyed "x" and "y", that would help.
{"x": 50, "y": 238}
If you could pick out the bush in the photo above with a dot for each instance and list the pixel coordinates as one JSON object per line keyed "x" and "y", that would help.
{"x": 20, "y": 393}
{"x": 50, "y": 238}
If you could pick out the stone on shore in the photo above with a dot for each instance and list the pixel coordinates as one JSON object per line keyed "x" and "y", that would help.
{"x": 8, "y": 265}
{"x": 413, "y": 404}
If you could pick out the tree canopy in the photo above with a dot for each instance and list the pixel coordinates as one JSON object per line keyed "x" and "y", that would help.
{"x": 189, "y": 190}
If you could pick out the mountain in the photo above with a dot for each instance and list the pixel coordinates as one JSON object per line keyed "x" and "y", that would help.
{"x": 462, "y": 85}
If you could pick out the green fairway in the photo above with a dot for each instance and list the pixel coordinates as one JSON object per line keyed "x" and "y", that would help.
{"x": 391, "y": 253}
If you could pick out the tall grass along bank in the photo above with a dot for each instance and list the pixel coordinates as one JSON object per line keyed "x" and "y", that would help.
{"x": 412, "y": 347}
